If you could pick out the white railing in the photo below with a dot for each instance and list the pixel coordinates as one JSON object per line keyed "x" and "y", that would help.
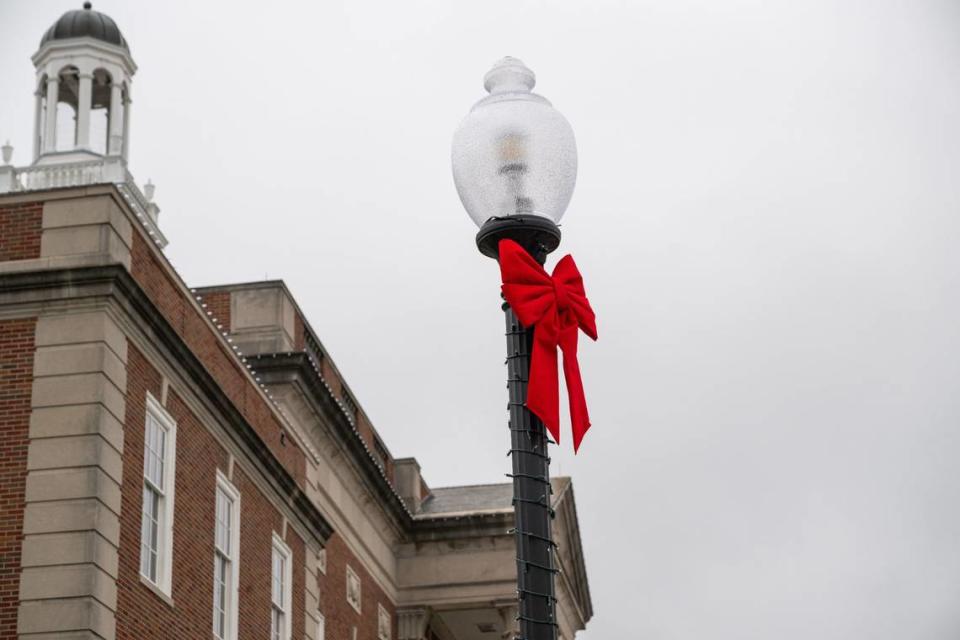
{"x": 59, "y": 175}
{"x": 109, "y": 170}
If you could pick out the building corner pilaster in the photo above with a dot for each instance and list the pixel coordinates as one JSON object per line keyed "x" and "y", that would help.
{"x": 71, "y": 528}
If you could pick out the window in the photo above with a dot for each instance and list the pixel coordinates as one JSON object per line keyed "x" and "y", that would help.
{"x": 353, "y": 589}
{"x": 156, "y": 526}
{"x": 321, "y": 623}
{"x": 383, "y": 623}
{"x": 322, "y": 561}
{"x": 226, "y": 549}
{"x": 280, "y": 591}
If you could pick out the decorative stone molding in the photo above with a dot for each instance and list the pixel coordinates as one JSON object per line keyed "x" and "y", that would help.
{"x": 413, "y": 622}
{"x": 508, "y": 610}
{"x": 383, "y": 623}
{"x": 353, "y": 589}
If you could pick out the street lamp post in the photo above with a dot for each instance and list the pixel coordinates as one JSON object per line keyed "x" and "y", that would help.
{"x": 515, "y": 166}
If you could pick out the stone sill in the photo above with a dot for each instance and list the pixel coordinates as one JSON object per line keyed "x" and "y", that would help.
{"x": 156, "y": 591}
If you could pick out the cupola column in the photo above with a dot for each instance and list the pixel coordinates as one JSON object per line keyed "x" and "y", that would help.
{"x": 116, "y": 106}
{"x": 84, "y": 99}
{"x": 37, "y": 122}
{"x": 126, "y": 127}
{"x": 50, "y": 124}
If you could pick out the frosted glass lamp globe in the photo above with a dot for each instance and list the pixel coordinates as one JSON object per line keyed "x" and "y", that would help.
{"x": 514, "y": 154}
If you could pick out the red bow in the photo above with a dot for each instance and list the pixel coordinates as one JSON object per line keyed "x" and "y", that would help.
{"x": 556, "y": 306}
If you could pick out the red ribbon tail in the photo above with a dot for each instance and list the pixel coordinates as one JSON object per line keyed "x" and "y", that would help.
{"x": 543, "y": 391}
{"x": 579, "y": 418}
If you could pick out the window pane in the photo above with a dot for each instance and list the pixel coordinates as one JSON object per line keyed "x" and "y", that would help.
{"x": 218, "y": 520}
{"x": 278, "y": 571}
{"x": 219, "y": 595}
{"x": 227, "y": 524}
{"x": 155, "y": 440}
{"x": 161, "y": 444}
{"x": 274, "y": 583}
{"x": 280, "y": 593}
{"x": 224, "y": 513}
{"x": 145, "y": 550}
{"x": 276, "y": 624}
{"x": 148, "y": 447}
{"x": 149, "y": 533}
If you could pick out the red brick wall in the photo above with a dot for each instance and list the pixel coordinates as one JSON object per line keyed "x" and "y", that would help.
{"x": 20, "y": 227}
{"x": 223, "y": 365}
{"x": 365, "y": 429}
{"x": 141, "y": 614}
{"x": 258, "y": 518}
{"x": 16, "y": 380}
{"x": 218, "y": 304}
{"x": 331, "y": 377}
{"x": 258, "y": 523}
{"x": 339, "y": 616}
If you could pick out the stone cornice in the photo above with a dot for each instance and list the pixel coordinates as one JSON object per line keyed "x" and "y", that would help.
{"x": 484, "y": 524}
{"x": 576, "y": 576}
{"x": 308, "y": 330}
{"x": 296, "y": 367}
{"x": 85, "y": 45}
{"x": 116, "y": 282}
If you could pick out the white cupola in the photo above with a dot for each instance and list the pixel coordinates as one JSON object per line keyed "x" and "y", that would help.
{"x": 82, "y": 106}
{"x": 81, "y": 119}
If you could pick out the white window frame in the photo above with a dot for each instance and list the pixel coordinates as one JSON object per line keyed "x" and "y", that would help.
{"x": 231, "y": 606}
{"x": 321, "y": 626}
{"x": 383, "y": 616}
{"x": 164, "y": 569}
{"x": 286, "y": 607}
{"x": 358, "y": 605}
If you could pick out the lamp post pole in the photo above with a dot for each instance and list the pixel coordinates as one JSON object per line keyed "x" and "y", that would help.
{"x": 532, "y": 502}
{"x": 514, "y": 164}
{"x": 531, "y": 494}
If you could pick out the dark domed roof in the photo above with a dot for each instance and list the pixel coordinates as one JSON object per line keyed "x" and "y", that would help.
{"x": 85, "y": 23}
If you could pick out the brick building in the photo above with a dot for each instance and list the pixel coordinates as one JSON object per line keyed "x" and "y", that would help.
{"x": 189, "y": 463}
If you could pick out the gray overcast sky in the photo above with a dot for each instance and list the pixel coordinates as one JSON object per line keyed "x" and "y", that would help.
{"x": 766, "y": 217}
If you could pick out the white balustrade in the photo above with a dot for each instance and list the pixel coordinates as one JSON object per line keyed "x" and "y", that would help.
{"x": 58, "y": 175}
{"x": 110, "y": 170}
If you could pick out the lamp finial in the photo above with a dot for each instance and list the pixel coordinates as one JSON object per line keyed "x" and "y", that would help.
{"x": 509, "y": 75}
